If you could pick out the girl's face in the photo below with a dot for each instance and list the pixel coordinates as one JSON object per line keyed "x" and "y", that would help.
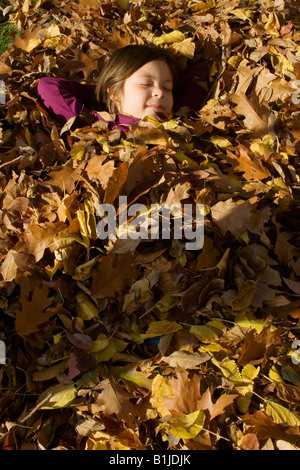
{"x": 148, "y": 91}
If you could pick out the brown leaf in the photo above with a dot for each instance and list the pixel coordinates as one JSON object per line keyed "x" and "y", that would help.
{"x": 38, "y": 238}
{"x": 249, "y": 165}
{"x": 264, "y": 427}
{"x": 115, "y": 183}
{"x": 65, "y": 178}
{"x": 111, "y": 275}
{"x": 255, "y": 345}
{"x": 33, "y": 312}
{"x": 115, "y": 400}
{"x": 187, "y": 392}
{"x": 250, "y": 442}
{"x": 217, "y": 408}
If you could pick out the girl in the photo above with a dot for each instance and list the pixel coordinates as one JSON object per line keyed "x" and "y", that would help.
{"x": 136, "y": 81}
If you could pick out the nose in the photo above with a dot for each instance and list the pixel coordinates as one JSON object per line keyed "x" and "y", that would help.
{"x": 157, "y": 91}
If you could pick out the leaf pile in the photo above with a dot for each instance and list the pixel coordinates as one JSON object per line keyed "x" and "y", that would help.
{"x": 143, "y": 344}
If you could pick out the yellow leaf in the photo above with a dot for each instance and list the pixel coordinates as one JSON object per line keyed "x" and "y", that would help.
{"x": 50, "y": 32}
{"x": 86, "y": 309}
{"x": 243, "y": 14}
{"x": 130, "y": 374}
{"x": 185, "y": 427}
{"x": 248, "y": 320}
{"x": 185, "y": 160}
{"x": 63, "y": 240}
{"x": 220, "y": 141}
{"x": 114, "y": 345}
{"x": 229, "y": 369}
{"x": 77, "y": 152}
{"x": 185, "y": 47}
{"x": 160, "y": 328}
{"x": 82, "y": 224}
{"x": 122, "y": 4}
{"x": 203, "y": 6}
{"x": 249, "y": 372}
{"x": 28, "y": 137}
{"x": 206, "y": 334}
{"x": 167, "y": 302}
{"x": 51, "y": 270}
{"x": 169, "y": 38}
{"x": 82, "y": 271}
{"x": 213, "y": 348}
{"x": 222, "y": 264}
{"x": 104, "y": 444}
{"x": 161, "y": 388}
{"x": 32, "y": 44}
{"x": 285, "y": 64}
{"x": 100, "y": 343}
{"x": 273, "y": 25}
{"x": 57, "y": 338}
{"x": 90, "y": 220}
{"x": 57, "y": 396}
{"x": 281, "y": 415}
{"x": 274, "y": 375}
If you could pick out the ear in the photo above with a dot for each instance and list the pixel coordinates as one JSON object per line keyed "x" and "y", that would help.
{"x": 113, "y": 95}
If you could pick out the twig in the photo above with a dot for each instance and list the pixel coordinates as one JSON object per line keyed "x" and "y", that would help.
{"x": 11, "y": 162}
{"x": 36, "y": 408}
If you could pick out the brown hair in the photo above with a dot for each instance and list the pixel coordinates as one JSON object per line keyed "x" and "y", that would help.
{"x": 123, "y": 63}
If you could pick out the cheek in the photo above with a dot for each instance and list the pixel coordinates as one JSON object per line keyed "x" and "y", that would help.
{"x": 132, "y": 96}
{"x": 170, "y": 102}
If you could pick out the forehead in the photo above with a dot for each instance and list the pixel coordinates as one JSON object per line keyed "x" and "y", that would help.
{"x": 155, "y": 69}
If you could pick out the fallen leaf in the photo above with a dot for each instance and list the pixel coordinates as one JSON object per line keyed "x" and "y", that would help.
{"x": 34, "y": 312}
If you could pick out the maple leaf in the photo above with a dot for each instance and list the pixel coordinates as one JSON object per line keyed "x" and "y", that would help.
{"x": 113, "y": 399}
{"x": 186, "y": 390}
{"x": 237, "y": 154}
{"x": 65, "y": 178}
{"x": 249, "y": 165}
{"x": 111, "y": 276}
{"x": 34, "y": 312}
{"x": 255, "y": 116}
{"x": 39, "y": 237}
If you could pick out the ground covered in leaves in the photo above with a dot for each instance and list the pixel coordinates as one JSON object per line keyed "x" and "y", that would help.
{"x": 144, "y": 344}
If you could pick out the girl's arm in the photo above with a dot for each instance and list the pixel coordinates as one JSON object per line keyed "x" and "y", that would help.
{"x": 64, "y": 98}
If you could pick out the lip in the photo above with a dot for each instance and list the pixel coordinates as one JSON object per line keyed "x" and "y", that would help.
{"x": 156, "y": 107}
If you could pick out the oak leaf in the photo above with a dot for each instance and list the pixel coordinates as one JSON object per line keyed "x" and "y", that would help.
{"x": 111, "y": 275}
{"x": 34, "y": 312}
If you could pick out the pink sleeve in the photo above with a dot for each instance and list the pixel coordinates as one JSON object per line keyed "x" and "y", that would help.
{"x": 64, "y": 98}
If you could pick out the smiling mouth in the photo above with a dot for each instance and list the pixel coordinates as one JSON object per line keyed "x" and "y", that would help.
{"x": 156, "y": 107}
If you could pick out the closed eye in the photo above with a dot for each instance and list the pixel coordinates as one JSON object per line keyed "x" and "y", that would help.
{"x": 151, "y": 84}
